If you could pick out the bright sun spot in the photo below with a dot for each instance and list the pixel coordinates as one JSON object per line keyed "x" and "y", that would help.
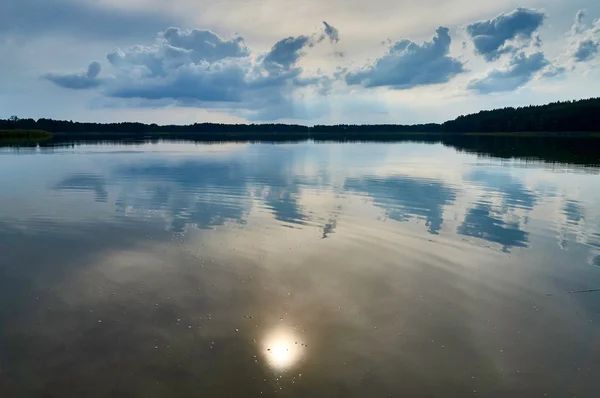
{"x": 281, "y": 349}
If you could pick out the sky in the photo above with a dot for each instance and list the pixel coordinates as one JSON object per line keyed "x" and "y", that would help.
{"x": 292, "y": 61}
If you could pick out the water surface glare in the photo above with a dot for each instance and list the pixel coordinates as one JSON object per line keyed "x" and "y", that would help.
{"x": 296, "y": 270}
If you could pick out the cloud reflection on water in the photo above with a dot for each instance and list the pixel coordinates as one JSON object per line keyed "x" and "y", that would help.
{"x": 484, "y": 223}
{"x": 405, "y": 197}
{"x": 375, "y": 306}
{"x": 210, "y": 191}
{"x": 85, "y": 182}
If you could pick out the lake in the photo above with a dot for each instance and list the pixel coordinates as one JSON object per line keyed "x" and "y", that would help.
{"x": 181, "y": 269}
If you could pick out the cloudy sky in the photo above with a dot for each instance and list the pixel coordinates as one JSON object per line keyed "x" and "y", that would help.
{"x": 298, "y": 61}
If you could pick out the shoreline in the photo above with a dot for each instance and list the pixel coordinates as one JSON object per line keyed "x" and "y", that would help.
{"x": 24, "y": 135}
{"x": 374, "y": 135}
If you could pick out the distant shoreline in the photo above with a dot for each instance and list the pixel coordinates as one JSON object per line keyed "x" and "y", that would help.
{"x": 581, "y": 148}
{"x": 283, "y": 134}
{"x": 40, "y": 136}
{"x": 573, "y": 118}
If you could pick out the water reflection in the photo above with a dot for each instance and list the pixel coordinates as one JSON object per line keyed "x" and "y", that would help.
{"x": 281, "y": 348}
{"x": 203, "y": 193}
{"x": 484, "y": 223}
{"x": 85, "y": 182}
{"x": 404, "y": 197}
{"x": 509, "y": 189}
{"x": 210, "y": 192}
{"x": 574, "y": 212}
{"x": 594, "y": 242}
{"x": 258, "y": 270}
{"x": 329, "y": 228}
{"x": 284, "y": 204}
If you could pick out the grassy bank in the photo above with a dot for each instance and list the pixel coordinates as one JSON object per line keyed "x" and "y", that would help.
{"x": 24, "y": 135}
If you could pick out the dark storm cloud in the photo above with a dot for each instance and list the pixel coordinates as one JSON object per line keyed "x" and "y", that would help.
{"x": 520, "y": 71}
{"x": 491, "y": 37}
{"x": 78, "y": 80}
{"x": 81, "y": 19}
{"x": 408, "y": 64}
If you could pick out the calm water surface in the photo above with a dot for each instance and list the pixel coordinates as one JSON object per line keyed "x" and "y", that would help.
{"x": 296, "y": 270}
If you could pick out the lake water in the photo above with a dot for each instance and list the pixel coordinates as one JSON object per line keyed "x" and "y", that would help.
{"x": 296, "y": 270}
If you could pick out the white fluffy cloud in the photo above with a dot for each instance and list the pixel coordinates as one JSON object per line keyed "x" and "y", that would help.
{"x": 506, "y": 33}
{"x": 515, "y": 74}
{"x": 585, "y": 43}
{"x": 313, "y": 69}
{"x": 199, "y": 68}
{"x": 408, "y": 64}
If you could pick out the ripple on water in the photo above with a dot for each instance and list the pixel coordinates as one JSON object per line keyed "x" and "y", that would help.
{"x": 364, "y": 268}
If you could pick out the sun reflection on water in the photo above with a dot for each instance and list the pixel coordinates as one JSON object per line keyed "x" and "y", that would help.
{"x": 282, "y": 349}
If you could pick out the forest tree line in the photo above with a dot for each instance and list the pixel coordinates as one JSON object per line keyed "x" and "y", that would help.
{"x": 568, "y": 116}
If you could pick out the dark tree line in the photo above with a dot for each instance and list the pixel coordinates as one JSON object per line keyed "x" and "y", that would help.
{"x": 569, "y": 116}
